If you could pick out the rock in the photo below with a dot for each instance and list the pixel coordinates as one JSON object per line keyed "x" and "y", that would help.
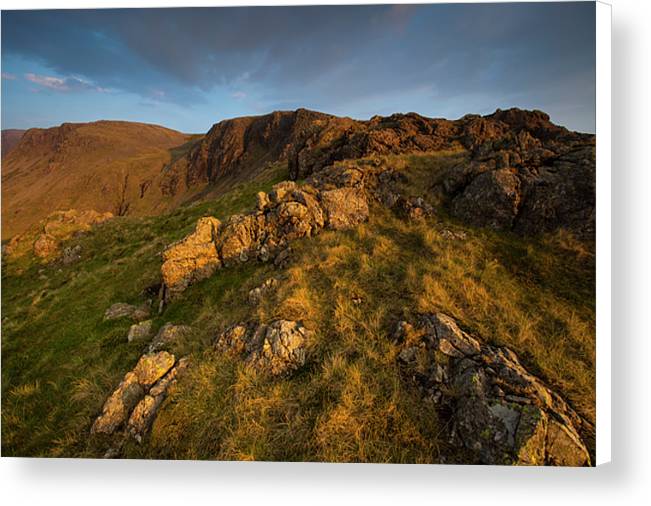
{"x": 345, "y": 207}
{"x": 240, "y": 235}
{"x": 167, "y": 335}
{"x": 533, "y": 180}
{"x": 193, "y": 258}
{"x": 495, "y": 408}
{"x": 282, "y": 346}
{"x": 152, "y": 366}
{"x": 146, "y": 410}
{"x": 257, "y": 294}
{"x": 117, "y": 407}
{"x": 122, "y": 310}
{"x": 137, "y": 398}
{"x": 491, "y": 200}
{"x": 140, "y": 331}
{"x": 277, "y": 348}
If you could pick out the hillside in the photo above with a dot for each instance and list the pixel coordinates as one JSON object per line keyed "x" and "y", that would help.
{"x": 398, "y": 290}
{"x": 106, "y": 166}
{"x": 10, "y": 139}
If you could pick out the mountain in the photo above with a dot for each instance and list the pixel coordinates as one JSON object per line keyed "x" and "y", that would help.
{"x": 10, "y": 139}
{"x": 106, "y": 166}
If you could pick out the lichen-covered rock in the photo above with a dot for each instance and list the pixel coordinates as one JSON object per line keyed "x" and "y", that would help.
{"x": 496, "y": 408}
{"x": 140, "y": 331}
{"x": 345, "y": 207}
{"x": 153, "y": 366}
{"x": 281, "y": 346}
{"x": 193, "y": 258}
{"x": 288, "y": 212}
{"x": 141, "y": 381}
{"x": 117, "y": 407}
{"x": 167, "y": 335}
{"x": 278, "y": 347}
{"x": 146, "y": 410}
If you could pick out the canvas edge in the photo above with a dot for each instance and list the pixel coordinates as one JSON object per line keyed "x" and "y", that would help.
{"x": 603, "y": 20}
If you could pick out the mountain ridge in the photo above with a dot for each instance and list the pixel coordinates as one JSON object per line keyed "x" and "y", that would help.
{"x": 152, "y": 169}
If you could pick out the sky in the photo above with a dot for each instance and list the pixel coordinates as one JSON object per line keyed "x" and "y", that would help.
{"x": 190, "y": 68}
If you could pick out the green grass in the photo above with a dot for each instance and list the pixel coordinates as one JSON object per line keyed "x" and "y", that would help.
{"x": 349, "y": 403}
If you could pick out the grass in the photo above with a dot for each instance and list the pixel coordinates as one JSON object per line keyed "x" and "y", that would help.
{"x": 348, "y": 404}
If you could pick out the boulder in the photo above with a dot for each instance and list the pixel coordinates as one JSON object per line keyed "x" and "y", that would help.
{"x": 136, "y": 400}
{"x": 153, "y": 366}
{"x": 168, "y": 335}
{"x": 117, "y": 407}
{"x": 193, "y": 258}
{"x": 146, "y": 410}
{"x": 140, "y": 331}
{"x": 491, "y": 200}
{"x": 495, "y": 408}
{"x": 276, "y": 348}
{"x": 44, "y": 241}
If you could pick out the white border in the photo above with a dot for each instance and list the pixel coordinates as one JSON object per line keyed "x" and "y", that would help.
{"x": 603, "y": 260}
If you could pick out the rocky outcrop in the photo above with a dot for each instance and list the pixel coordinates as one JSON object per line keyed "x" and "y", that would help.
{"x": 193, "y": 258}
{"x": 532, "y": 179}
{"x": 490, "y": 404}
{"x": 145, "y": 411}
{"x": 276, "y": 348}
{"x": 45, "y": 241}
{"x": 135, "y": 402}
{"x": 290, "y": 211}
{"x": 239, "y": 147}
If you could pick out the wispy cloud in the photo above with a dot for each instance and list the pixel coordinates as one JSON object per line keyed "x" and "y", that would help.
{"x": 8, "y": 76}
{"x": 65, "y": 84}
{"x": 239, "y": 95}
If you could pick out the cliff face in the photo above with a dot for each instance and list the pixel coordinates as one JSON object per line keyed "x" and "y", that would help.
{"x": 238, "y": 148}
{"x": 10, "y": 139}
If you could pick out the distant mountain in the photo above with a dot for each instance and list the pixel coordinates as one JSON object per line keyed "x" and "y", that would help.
{"x": 10, "y": 139}
{"x": 103, "y": 166}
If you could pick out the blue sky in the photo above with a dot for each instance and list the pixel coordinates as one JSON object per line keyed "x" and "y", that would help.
{"x": 190, "y": 68}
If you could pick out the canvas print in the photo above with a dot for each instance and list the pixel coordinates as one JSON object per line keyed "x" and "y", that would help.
{"x": 313, "y": 233}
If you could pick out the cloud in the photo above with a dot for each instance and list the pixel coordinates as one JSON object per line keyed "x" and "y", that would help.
{"x": 324, "y": 57}
{"x": 67, "y": 84}
{"x": 8, "y": 76}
